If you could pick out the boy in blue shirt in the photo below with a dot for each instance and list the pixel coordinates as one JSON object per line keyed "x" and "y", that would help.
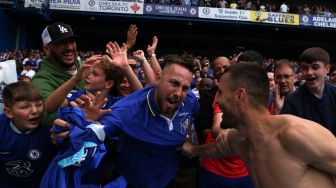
{"x": 100, "y": 76}
{"x": 25, "y": 146}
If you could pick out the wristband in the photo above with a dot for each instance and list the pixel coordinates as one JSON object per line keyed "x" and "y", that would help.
{"x": 153, "y": 55}
{"x": 143, "y": 60}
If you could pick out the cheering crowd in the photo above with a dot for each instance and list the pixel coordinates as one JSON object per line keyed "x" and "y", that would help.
{"x": 125, "y": 117}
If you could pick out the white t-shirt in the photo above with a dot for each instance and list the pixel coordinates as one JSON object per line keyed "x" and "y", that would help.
{"x": 222, "y": 4}
{"x": 262, "y": 8}
{"x": 233, "y": 5}
{"x": 196, "y": 92}
{"x": 29, "y": 73}
{"x": 284, "y": 8}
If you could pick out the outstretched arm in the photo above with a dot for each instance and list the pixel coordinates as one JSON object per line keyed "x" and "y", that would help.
{"x": 92, "y": 105}
{"x": 58, "y": 98}
{"x": 139, "y": 54}
{"x": 132, "y": 33}
{"x": 151, "y": 49}
{"x": 219, "y": 148}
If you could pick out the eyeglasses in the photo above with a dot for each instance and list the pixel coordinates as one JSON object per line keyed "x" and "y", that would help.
{"x": 285, "y": 77}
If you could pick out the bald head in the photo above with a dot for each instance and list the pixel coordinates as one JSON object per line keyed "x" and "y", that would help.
{"x": 219, "y": 65}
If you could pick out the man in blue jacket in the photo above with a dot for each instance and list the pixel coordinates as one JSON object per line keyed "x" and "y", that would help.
{"x": 151, "y": 123}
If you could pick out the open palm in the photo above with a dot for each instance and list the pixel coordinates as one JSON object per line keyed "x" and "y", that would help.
{"x": 118, "y": 56}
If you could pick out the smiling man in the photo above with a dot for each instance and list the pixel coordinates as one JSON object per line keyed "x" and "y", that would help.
{"x": 316, "y": 99}
{"x": 60, "y": 65}
{"x": 285, "y": 78}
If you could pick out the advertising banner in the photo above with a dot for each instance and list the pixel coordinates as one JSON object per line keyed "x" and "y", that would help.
{"x": 55, "y": 4}
{"x": 224, "y": 14}
{"x": 317, "y": 21}
{"x": 170, "y": 10}
{"x": 113, "y": 7}
{"x": 90, "y": 5}
{"x": 274, "y": 18}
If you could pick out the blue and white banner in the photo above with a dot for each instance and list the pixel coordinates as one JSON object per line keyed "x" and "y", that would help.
{"x": 89, "y": 5}
{"x": 318, "y": 21}
{"x": 224, "y": 14}
{"x": 55, "y": 4}
{"x": 113, "y": 7}
{"x": 170, "y": 10}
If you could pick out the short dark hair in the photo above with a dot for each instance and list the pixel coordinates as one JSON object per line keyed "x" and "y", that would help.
{"x": 175, "y": 59}
{"x": 251, "y": 56}
{"x": 20, "y": 91}
{"x": 111, "y": 72}
{"x": 253, "y": 78}
{"x": 284, "y": 62}
{"x": 196, "y": 69}
{"x": 314, "y": 54}
{"x": 21, "y": 78}
{"x": 28, "y": 63}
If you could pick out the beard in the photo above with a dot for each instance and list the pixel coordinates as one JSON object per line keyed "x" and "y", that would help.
{"x": 229, "y": 118}
{"x": 170, "y": 102}
{"x": 167, "y": 104}
{"x": 59, "y": 60}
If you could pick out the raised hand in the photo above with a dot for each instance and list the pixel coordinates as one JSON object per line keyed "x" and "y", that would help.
{"x": 235, "y": 58}
{"x": 92, "y": 105}
{"x": 278, "y": 100}
{"x": 117, "y": 56}
{"x": 87, "y": 66}
{"x": 131, "y": 36}
{"x": 139, "y": 54}
{"x": 152, "y": 48}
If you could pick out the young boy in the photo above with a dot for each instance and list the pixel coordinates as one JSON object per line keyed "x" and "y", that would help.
{"x": 315, "y": 100}
{"x": 100, "y": 76}
{"x": 25, "y": 146}
{"x": 103, "y": 78}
